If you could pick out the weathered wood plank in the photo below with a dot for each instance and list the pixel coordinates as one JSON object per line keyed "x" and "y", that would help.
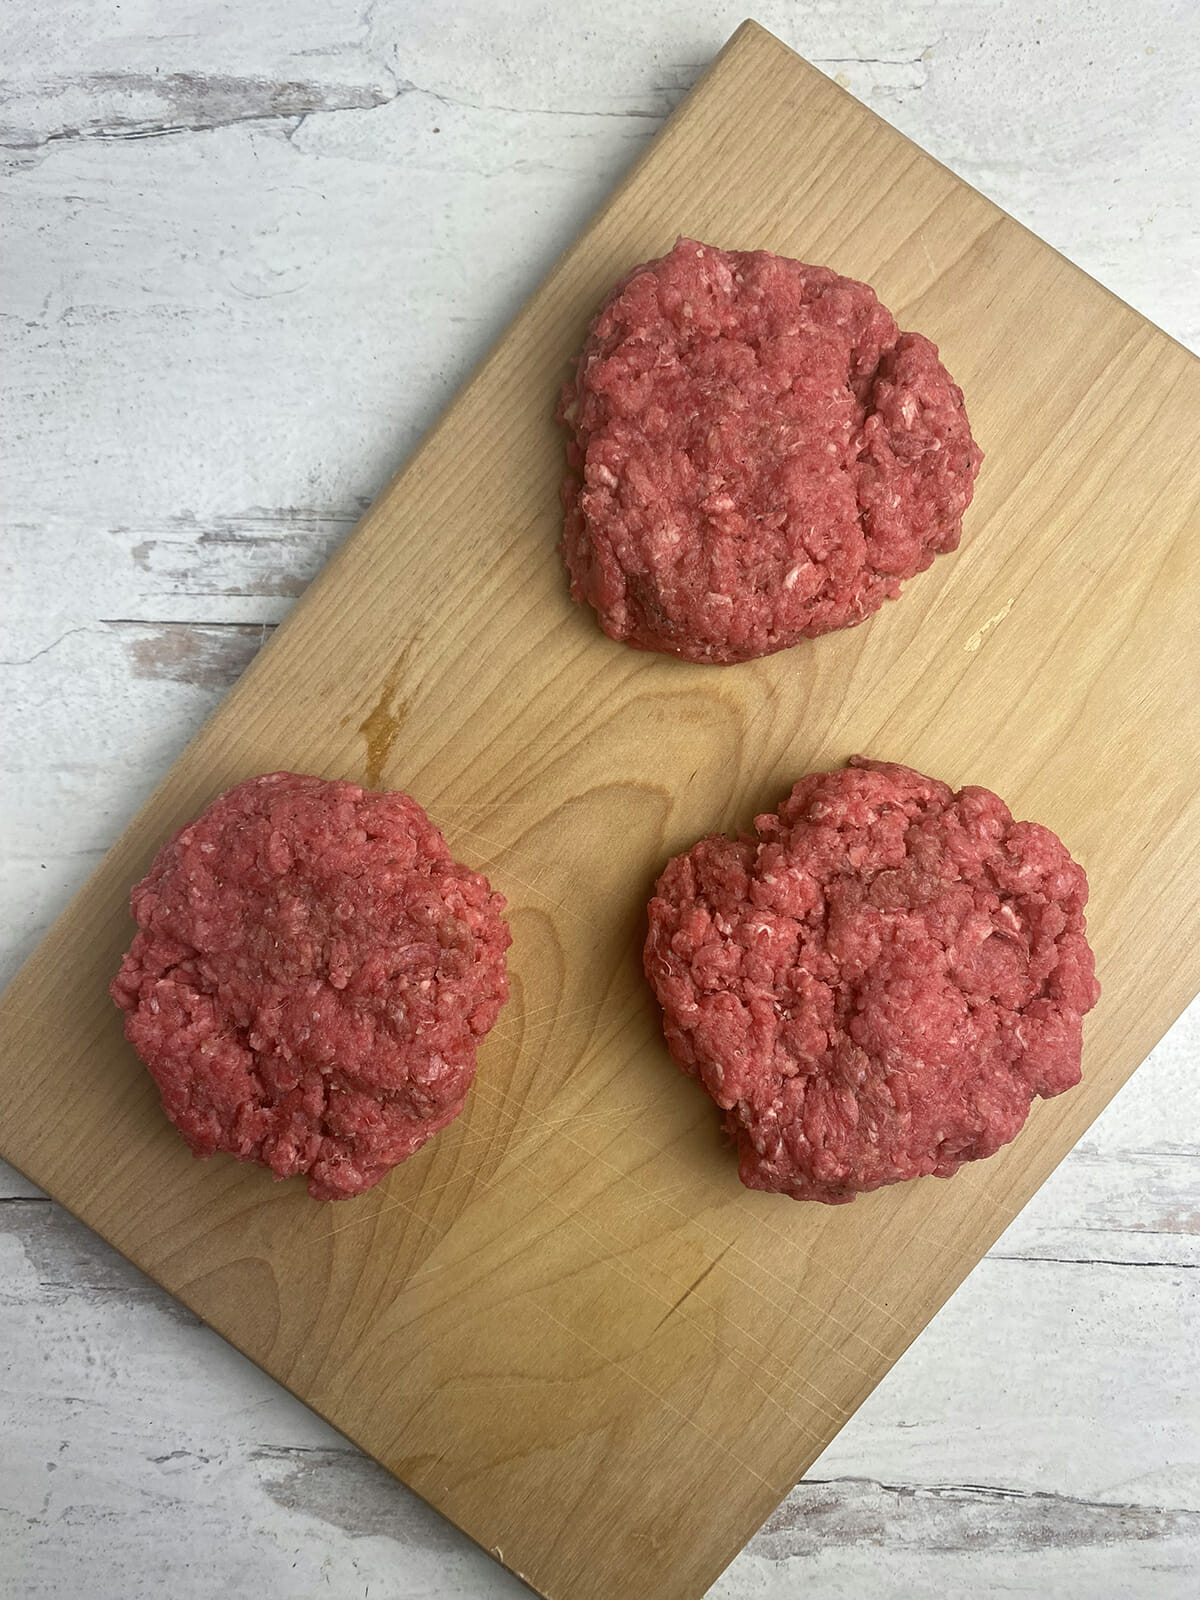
{"x": 116, "y": 315}
{"x": 15, "y": 1186}
{"x": 239, "y": 566}
{"x": 160, "y": 1435}
{"x": 184, "y": 325}
{"x": 94, "y": 711}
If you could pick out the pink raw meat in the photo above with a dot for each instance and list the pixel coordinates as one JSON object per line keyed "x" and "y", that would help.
{"x": 876, "y": 983}
{"x": 310, "y": 979}
{"x": 758, "y": 455}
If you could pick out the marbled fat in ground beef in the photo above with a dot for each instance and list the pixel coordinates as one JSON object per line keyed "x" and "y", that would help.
{"x": 310, "y": 979}
{"x": 876, "y": 983}
{"x": 758, "y": 455}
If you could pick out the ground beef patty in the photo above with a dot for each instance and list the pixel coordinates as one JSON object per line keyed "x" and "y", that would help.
{"x": 876, "y": 983}
{"x": 758, "y": 455}
{"x": 311, "y": 977}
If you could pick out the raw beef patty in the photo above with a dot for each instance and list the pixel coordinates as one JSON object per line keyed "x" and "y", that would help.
{"x": 876, "y": 983}
{"x": 311, "y": 976}
{"x": 758, "y": 455}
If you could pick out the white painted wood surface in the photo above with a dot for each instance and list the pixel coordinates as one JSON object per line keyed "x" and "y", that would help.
{"x": 247, "y": 252}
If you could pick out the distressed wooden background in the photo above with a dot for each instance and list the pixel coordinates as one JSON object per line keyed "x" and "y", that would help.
{"x": 246, "y": 255}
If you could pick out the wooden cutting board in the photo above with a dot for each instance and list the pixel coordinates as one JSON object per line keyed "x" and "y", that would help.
{"x": 564, "y": 1323}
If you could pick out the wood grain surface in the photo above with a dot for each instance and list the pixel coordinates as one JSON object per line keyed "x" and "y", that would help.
{"x": 564, "y": 1323}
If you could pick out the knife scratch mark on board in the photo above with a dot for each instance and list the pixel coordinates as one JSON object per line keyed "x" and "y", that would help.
{"x": 928, "y": 258}
{"x": 976, "y": 639}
